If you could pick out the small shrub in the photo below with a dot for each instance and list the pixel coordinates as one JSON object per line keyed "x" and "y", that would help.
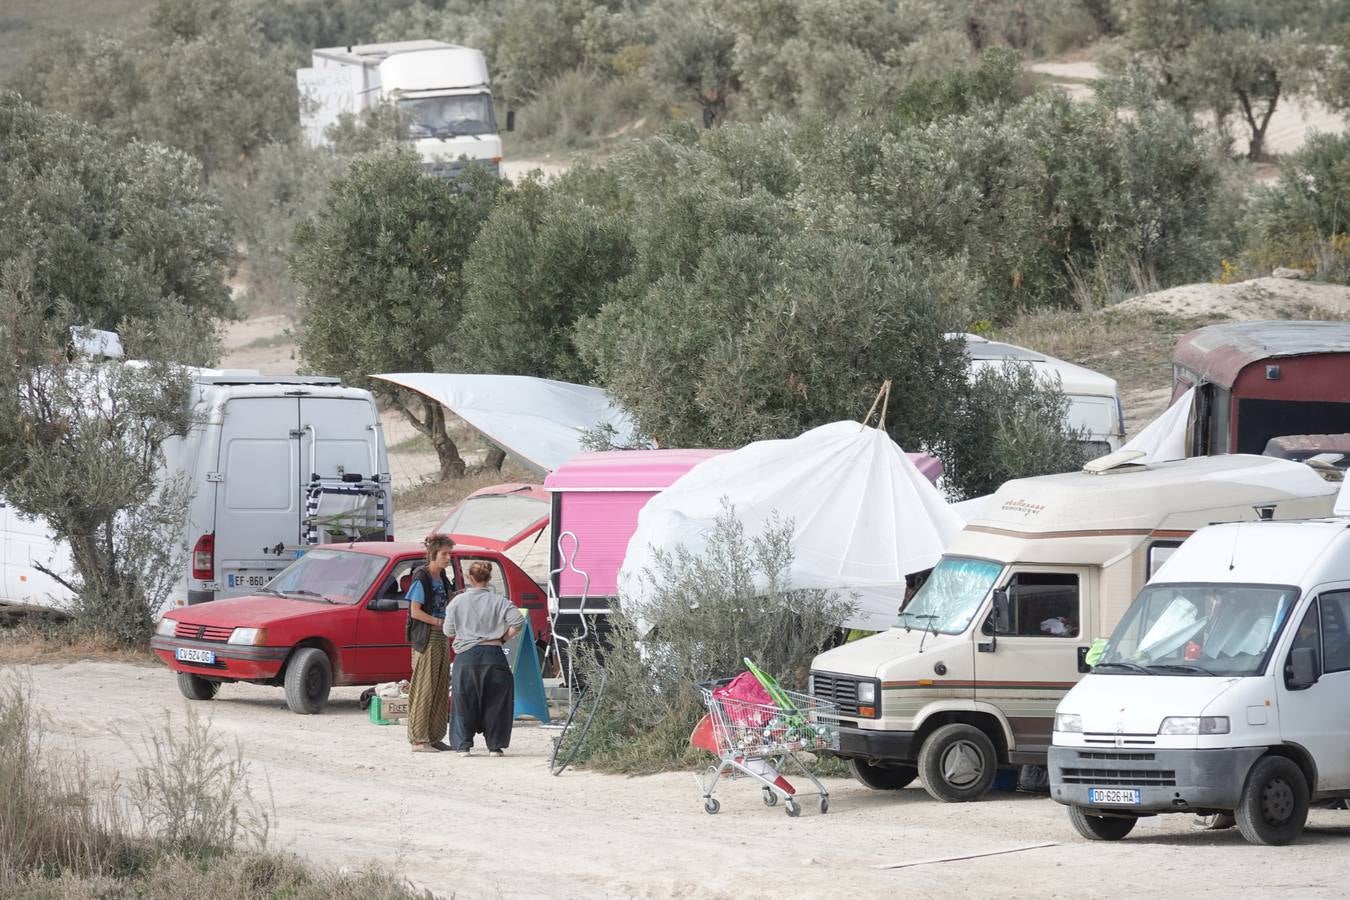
{"x": 708, "y": 613}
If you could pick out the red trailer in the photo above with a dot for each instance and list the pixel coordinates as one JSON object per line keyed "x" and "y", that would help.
{"x": 1259, "y": 380}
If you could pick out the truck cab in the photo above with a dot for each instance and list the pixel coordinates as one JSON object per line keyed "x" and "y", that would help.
{"x": 968, "y": 678}
{"x": 1223, "y": 691}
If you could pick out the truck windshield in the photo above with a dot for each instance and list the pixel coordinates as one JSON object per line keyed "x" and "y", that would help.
{"x": 951, "y": 596}
{"x": 338, "y": 576}
{"x": 1199, "y": 629}
{"x": 450, "y": 115}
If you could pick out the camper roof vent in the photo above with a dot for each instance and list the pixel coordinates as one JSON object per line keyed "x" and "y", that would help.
{"x": 1120, "y": 461}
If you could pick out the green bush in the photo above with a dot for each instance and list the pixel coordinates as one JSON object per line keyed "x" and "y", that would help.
{"x": 580, "y": 108}
{"x": 709, "y": 612}
{"x": 1304, "y": 219}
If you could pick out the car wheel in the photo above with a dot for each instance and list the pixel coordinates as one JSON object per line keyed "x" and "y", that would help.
{"x": 958, "y": 763}
{"x": 195, "y": 687}
{"x": 1101, "y": 828}
{"x": 309, "y": 677}
{"x": 882, "y": 778}
{"x": 1274, "y": 803}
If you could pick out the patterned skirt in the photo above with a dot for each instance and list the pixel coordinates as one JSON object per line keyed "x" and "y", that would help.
{"x": 428, "y": 710}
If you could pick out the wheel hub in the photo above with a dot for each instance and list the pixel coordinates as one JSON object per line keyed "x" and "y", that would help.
{"x": 962, "y": 765}
{"x": 1277, "y": 801}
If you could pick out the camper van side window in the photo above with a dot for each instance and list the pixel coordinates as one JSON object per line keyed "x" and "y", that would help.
{"x": 1335, "y": 638}
{"x": 1043, "y": 604}
{"x": 1158, "y": 552}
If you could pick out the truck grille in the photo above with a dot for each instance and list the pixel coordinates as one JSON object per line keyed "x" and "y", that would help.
{"x": 192, "y": 632}
{"x": 837, "y": 689}
{"x": 1109, "y": 776}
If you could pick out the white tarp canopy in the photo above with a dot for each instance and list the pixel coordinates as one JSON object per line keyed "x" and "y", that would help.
{"x": 538, "y": 420}
{"x": 1164, "y": 439}
{"x": 863, "y": 516}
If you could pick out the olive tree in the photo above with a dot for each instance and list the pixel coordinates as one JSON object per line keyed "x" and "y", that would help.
{"x": 379, "y": 271}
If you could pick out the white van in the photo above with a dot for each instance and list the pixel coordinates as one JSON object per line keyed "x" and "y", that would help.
{"x": 1224, "y": 690}
{"x": 968, "y": 679}
{"x": 273, "y": 462}
{"x": 1094, "y": 398}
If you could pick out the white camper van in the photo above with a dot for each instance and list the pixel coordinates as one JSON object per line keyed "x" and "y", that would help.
{"x": 1094, "y": 398}
{"x": 272, "y": 462}
{"x": 1224, "y": 690}
{"x": 968, "y": 678}
{"x": 442, "y": 88}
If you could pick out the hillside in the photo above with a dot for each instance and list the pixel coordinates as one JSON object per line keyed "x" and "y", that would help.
{"x": 24, "y": 24}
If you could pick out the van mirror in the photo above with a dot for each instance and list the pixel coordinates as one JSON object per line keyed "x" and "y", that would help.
{"x": 510, "y": 120}
{"x": 1302, "y": 671}
{"x": 1001, "y": 616}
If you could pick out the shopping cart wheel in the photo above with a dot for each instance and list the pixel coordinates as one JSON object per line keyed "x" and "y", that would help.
{"x": 770, "y": 798}
{"x": 824, "y": 805}
{"x": 711, "y": 806}
{"x": 794, "y": 809}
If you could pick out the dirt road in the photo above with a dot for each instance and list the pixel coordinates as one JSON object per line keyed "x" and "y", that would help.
{"x": 347, "y": 791}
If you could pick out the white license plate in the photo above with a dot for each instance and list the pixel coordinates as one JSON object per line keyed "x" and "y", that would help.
{"x": 193, "y": 655}
{"x": 247, "y": 579}
{"x": 1114, "y": 795}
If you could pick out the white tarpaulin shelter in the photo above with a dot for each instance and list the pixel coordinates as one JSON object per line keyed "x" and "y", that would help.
{"x": 538, "y": 420}
{"x": 863, "y": 515}
{"x": 1164, "y": 439}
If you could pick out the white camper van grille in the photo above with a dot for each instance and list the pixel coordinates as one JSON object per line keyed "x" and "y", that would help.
{"x": 1116, "y": 768}
{"x": 836, "y": 689}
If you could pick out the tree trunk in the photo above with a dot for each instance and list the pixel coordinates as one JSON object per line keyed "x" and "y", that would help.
{"x": 432, "y": 424}
{"x": 1256, "y": 146}
{"x": 495, "y": 457}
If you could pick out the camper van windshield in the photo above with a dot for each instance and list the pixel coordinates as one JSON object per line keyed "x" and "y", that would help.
{"x": 951, "y": 596}
{"x": 338, "y": 576}
{"x": 1199, "y": 629}
{"x": 449, "y": 116}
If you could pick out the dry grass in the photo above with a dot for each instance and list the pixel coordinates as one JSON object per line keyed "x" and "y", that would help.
{"x": 444, "y": 495}
{"x": 30, "y": 644}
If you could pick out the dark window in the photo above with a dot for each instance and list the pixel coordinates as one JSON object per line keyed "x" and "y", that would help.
{"x": 1335, "y": 637}
{"x": 1261, "y": 420}
{"x": 1158, "y": 553}
{"x": 1308, "y": 635}
{"x": 1043, "y": 604}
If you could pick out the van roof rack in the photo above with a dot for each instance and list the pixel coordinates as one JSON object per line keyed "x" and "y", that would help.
{"x": 1117, "y": 462}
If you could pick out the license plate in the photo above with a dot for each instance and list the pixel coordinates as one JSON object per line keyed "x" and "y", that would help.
{"x": 1114, "y": 795}
{"x": 247, "y": 579}
{"x": 193, "y": 655}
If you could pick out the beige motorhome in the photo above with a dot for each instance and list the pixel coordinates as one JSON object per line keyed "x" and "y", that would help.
{"x": 968, "y": 678}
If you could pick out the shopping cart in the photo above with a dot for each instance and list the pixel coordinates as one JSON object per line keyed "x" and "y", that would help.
{"x": 758, "y": 740}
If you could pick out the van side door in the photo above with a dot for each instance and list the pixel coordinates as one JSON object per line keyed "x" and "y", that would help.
{"x": 1317, "y": 717}
{"x": 1038, "y": 636}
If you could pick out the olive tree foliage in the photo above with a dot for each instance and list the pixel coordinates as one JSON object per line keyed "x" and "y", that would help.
{"x": 695, "y": 53}
{"x": 379, "y": 270}
{"x": 114, "y": 237}
{"x": 1304, "y": 219}
{"x": 542, "y": 261}
{"x": 708, "y": 613}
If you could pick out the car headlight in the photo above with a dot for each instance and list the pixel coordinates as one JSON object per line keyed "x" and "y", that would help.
{"x": 867, "y": 693}
{"x": 165, "y": 627}
{"x": 246, "y": 636}
{"x": 1194, "y": 725}
{"x": 1069, "y": 723}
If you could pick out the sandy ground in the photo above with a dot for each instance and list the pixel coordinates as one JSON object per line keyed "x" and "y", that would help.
{"x": 1258, "y": 298}
{"x": 347, "y": 792}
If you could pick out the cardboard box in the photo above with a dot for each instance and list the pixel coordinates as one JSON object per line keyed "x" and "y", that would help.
{"x": 388, "y": 710}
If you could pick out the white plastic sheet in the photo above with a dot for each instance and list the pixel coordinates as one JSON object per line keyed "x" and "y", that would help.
{"x": 1164, "y": 439}
{"x": 863, "y": 516}
{"x": 538, "y": 420}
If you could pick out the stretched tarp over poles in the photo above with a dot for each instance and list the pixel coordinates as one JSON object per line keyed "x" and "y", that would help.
{"x": 863, "y": 516}
{"x": 539, "y": 421}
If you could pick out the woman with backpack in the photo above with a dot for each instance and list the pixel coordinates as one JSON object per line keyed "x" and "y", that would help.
{"x": 428, "y": 596}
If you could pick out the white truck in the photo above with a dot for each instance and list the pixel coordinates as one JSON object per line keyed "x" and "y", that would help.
{"x": 1224, "y": 691}
{"x": 442, "y": 89}
{"x": 273, "y": 462}
{"x": 967, "y": 680}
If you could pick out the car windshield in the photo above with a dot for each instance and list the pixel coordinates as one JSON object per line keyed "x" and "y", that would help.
{"x": 448, "y": 116}
{"x": 951, "y": 596}
{"x": 1199, "y": 629}
{"x": 337, "y": 576}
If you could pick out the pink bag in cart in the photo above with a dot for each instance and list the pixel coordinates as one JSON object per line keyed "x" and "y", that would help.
{"x": 755, "y": 706}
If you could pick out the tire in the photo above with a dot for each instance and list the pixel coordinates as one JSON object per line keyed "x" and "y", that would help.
{"x": 958, "y": 763}
{"x": 1101, "y": 828}
{"x": 1274, "y": 803}
{"x": 195, "y": 687}
{"x": 309, "y": 678}
{"x": 882, "y": 778}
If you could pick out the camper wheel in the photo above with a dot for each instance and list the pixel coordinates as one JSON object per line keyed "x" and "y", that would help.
{"x": 309, "y": 677}
{"x": 1274, "y": 803}
{"x": 195, "y": 687}
{"x": 958, "y": 763}
{"x": 881, "y": 778}
{"x": 1101, "y": 828}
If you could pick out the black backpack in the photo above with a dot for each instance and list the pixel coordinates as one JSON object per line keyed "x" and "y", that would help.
{"x": 419, "y": 632}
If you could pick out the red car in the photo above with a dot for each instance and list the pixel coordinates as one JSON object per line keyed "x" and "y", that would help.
{"x": 337, "y": 615}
